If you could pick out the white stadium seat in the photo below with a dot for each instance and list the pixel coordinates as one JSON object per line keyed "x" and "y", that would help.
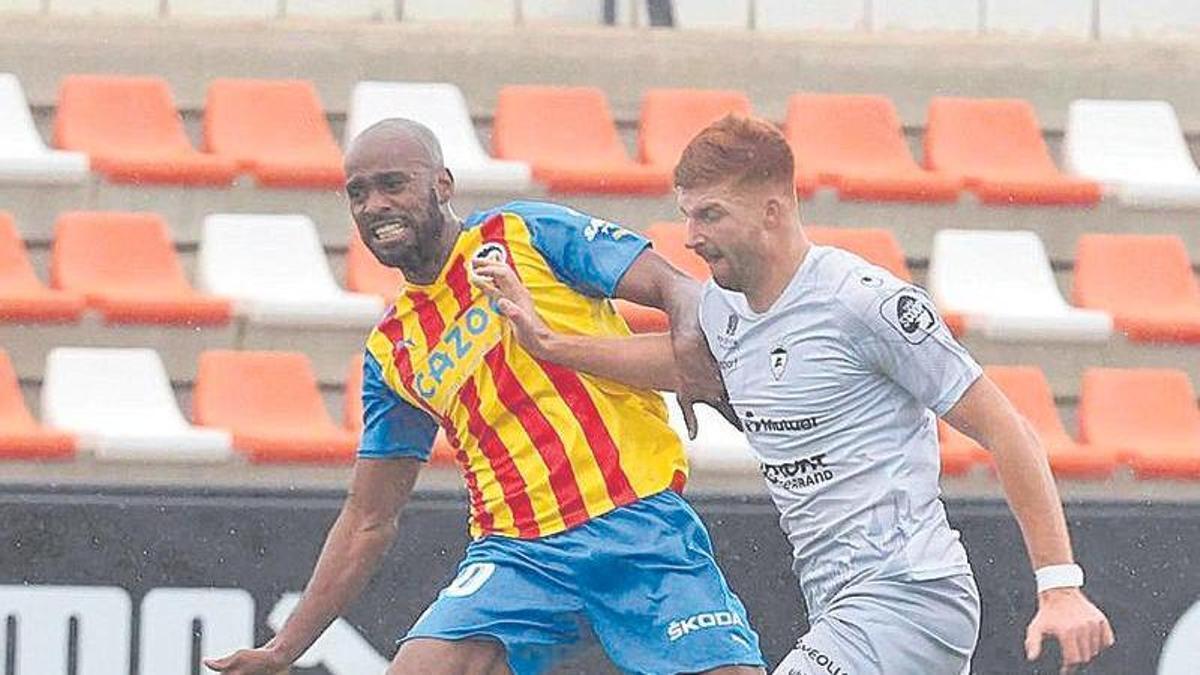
{"x": 818, "y": 15}
{"x": 373, "y": 10}
{"x": 24, "y": 157}
{"x": 120, "y": 404}
{"x": 718, "y": 445}
{"x": 926, "y": 15}
{"x": 1145, "y": 19}
{"x": 147, "y": 8}
{"x": 443, "y": 109}
{"x": 1002, "y": 283}
{"x": 1067, "y": 18}
{"x": 224, "y": 9}
{"x": 274, "y": 269}
{"x": 458, "y": 10}
{"x": 1136, "y": 149}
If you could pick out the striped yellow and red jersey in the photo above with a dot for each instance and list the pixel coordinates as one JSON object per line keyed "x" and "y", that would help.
{"x": 542, "y": 448}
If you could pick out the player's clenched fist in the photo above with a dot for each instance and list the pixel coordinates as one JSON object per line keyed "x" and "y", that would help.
{"x": 250, "y": 662}
{"x": 1080, "y": 627}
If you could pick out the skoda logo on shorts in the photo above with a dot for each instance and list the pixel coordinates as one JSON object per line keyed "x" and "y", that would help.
{"x": 911, "y": 314}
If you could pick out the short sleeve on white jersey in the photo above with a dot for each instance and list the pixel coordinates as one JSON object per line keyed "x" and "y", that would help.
{"x": 895, "y": 327}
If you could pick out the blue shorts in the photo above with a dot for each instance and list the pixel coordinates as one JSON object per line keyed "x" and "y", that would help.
{"x": 641, "y": 580}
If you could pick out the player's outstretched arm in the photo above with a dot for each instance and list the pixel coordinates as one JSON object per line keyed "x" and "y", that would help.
{"x": 363, "y": 532}
{"x": 1064, "y": 612}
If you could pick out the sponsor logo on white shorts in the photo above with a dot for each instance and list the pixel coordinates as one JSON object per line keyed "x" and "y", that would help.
{"x": 682, "y": 627}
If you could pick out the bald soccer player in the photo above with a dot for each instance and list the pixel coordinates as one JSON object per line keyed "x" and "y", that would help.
{"x": 838, "y": 371}
{"x": 578, "y": 528}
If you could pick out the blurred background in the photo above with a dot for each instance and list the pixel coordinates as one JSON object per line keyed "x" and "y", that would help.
{"x": 183, "y": 299}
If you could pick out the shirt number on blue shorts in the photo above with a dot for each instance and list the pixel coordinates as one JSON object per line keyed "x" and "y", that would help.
{"x": 470, "y": 579}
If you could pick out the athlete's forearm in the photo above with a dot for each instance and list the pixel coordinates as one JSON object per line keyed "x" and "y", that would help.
{"x": 644, "y": 361}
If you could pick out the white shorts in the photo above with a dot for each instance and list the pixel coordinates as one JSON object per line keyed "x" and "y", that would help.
{"x": 892, "y": 627}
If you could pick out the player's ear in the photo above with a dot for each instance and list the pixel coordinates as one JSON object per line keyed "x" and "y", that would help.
{"x": 773, "y": 213}
{"x": 444, "y": 186}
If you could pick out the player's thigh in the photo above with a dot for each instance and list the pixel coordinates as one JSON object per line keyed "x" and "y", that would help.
{"x": 822, "y": 652}
{"x": 429, "y": 656}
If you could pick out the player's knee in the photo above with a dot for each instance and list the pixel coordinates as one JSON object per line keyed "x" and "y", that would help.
{"x": 428, "y": 656}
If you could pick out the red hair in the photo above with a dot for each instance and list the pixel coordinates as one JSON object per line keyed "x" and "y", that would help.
{"x": 747, "y": 150}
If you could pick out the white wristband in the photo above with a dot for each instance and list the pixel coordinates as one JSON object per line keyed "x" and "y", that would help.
{"x": 1059, "y": 576}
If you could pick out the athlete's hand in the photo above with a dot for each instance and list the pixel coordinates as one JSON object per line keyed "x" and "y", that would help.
{"x": 1080, "y": 627}
{"x": 500, "y": 284}
{"x": 699, "y": 380}
{"x": 261, "y": 661}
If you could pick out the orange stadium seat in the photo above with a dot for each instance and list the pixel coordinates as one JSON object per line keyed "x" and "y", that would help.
{"x": 996, "y": 146}
{"x": 20, "y": 436}
{"x": 127, "y": 268}
{"x": 129, "y": 128}
{"x": 274, "y": 129}
{"x": 567, "y": 135}
{"x": 669, "y": 241}
{"x": 1029, "y": 391}
{"x": 958, "y": 451}
{"x": 352, "y": 414}
{"x": 671, "y": 117}
{"x": 855, "y": 143}
{"x": 269, "y": 401}
{"x": 365, "y": 274}
{"x": 1145, "y": 281}
{"x": 23, "y": 298}
{"x": 1148, "y": 414}
{"x": 873, "y": 244}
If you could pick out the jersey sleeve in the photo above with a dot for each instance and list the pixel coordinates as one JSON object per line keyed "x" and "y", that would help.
{"x": 896, "y": 330}
{"x": 588, "y": 254}
{"x": 392, "y": 427}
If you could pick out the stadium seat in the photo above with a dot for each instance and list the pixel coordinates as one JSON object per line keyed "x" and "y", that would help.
{"x": 1149, "y": 415}
{"x": 373, "y": 10}
{"x": 23, "y": 298}
{"x": 1136, "y": 149}
{"x": 270, "y": 403}
{"x": 996, "y": 146}
{"x": 1029, "y": 391}
{"x": 365, "y": 274}
{"x": 126, "y": 267}
{"x": 1002, "y": 284}
{"x": 568, "y": 136}
{"x": 24, "y": 157}
{"x": 668, "y": 240}
{"x": 21, "y": 437}
{"x": 927, "y": 15}
{"x": 274, "y": 129}
{"x": 131, "y": 132}
{"x": 670, "y": 118}
{"x": 441, "y": 107}
{"x": 275, "y": 270}
{"x": 120, "y": 405}
{"x": 855, "y": 143}
{"x": 1145, "y": 281}
{"x": 873, "y": 244}
{"x": 224, "y": 9}
{"x": 958, "y": 452}
{"x": 811, "y": 15}
{"x": 352, "y": 414}
{"x": 718, "y": 445}
{"x": 458, "y": 10}
{"x": 1061, "y": 18}
{"x": 139, "y": 8}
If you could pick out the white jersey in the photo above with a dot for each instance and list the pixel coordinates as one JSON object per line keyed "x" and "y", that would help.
{"x": 837, "y": 386}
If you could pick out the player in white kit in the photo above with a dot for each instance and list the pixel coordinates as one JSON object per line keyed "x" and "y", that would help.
{"x": 837, "y": 372}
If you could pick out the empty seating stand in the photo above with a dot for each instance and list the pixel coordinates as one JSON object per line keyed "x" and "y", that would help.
{"x": 569, "y": 138}
{"x": 274, "y": 129}
{"x": 855, "y": 144}
{"x": 125, "y": 265}
{"x": 21, "y": 437}
{"x": 1145, "y": 281}
{"x": 1136, "y": 149}
{"x": 668, "y": 240}
{"x": 441, "y": 107}
{"x": 1002, "y": 284}
{"x": 23, "y": 297}
{"x": 275, "y": 270}
{"x": 24, "y": 157}
{"x": 270, "y": 403}
{"x": 670, "y": 118}
{"x": 1149, "y": 415}
{"x": 996, "y": 147}
{"x": 131, "y": 132}
{"x": 120, "y": 405}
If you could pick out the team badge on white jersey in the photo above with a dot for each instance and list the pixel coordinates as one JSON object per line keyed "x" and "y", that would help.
{"x": 779, "y": 360}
